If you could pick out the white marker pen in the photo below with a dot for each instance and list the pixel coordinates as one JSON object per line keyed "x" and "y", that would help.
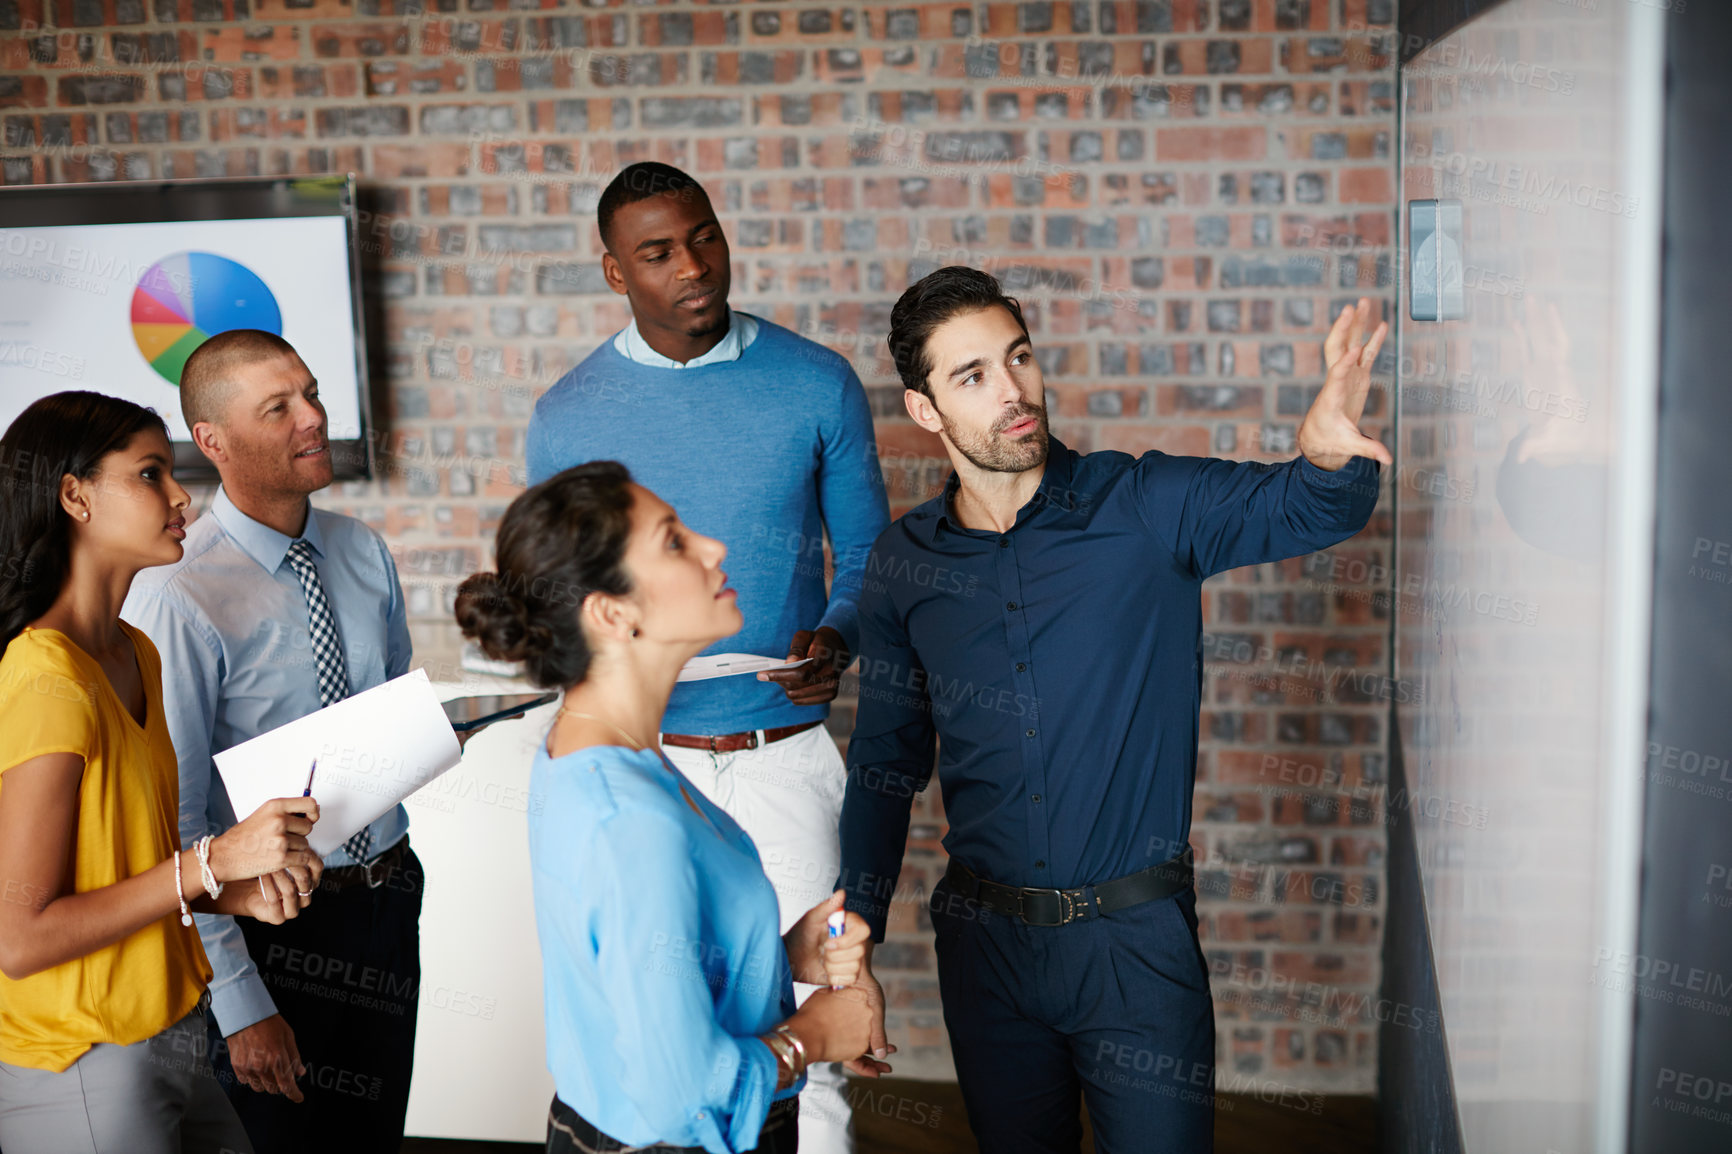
{"x": 836, "y": 922}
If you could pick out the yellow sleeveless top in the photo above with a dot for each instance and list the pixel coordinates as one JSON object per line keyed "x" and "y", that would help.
{"x": 55, "y": 698}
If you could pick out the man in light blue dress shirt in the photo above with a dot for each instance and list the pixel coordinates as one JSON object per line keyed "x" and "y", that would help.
{"x": 276, "y": 609}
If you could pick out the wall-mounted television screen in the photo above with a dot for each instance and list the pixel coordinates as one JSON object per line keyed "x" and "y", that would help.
{"x": 111, "y": 287}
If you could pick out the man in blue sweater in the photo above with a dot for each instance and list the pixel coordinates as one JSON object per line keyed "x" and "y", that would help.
{"x": 763, "y": 440}
{"x": 1041, "y": 619}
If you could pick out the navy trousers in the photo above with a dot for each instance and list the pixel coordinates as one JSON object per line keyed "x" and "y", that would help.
{"x": 1115, "y": 1010}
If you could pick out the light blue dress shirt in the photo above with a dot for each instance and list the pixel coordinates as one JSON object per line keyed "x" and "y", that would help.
{"x": 660, "y": 952}
{"x": 230, "y": 620}
{"x": 742, "y": 329}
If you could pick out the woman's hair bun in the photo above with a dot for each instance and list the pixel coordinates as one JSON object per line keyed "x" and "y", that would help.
{"x": 558, "y": 542}
{"x": 497, "y": 620}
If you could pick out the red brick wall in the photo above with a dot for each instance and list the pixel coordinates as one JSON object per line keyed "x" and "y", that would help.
{"x": 1182, "y": 192}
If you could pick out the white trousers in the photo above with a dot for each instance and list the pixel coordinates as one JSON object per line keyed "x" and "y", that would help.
{"x": 788, "y": 796}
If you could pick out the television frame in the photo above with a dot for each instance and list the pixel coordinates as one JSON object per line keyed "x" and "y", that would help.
{"x": 237, "y": 198}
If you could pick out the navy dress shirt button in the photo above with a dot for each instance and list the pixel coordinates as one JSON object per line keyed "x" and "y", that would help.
{"x": 1020, "y": 666}
{"x": 1035, "y": 798}
{"x": 1010, "y": 605}
{"x": 1004, "y": 542}
{"x": 1029, "y": 733}
{"x": 1039, "y": 865}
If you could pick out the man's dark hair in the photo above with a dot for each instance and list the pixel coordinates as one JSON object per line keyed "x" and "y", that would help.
{"x": 637, "y": 182}
{"x": 929, "y": 302}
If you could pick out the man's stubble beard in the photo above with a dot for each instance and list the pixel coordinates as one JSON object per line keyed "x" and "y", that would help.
{"x": 991, "y": 452}
{"x": 280, "y": 477}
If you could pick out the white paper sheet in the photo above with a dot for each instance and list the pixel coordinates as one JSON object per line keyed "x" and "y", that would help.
{"x": 374, "y": 749}
{"x": 732, "y": 665}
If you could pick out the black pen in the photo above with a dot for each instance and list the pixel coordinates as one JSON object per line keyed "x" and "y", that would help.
{"x": 308, "y": 792}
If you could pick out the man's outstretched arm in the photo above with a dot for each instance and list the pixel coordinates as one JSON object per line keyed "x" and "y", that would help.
{"x": 1215, "y": 514}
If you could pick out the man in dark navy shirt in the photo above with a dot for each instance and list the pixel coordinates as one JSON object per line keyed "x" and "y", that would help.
{"x": 1043, "y": 618}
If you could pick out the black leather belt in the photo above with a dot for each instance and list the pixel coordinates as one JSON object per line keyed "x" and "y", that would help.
{"x": 1042, "y": 907}
{"x": 374, "y": 873}
{"x": 581, "y": 1137}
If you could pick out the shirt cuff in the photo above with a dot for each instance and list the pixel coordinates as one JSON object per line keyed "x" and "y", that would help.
{"x": 241, "y": 1002}
{"x": 750, "y": 1102}
{"x": 875, "y": 913}
{"x": 1358, "y": 469}
{"x": 844, "y": 618}
{"x": 791, "y": 1091}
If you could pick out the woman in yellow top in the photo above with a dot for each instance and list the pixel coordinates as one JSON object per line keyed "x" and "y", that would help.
{"x": 102, "y": 977}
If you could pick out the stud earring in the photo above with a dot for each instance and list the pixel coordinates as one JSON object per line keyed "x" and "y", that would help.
{"x": 634, "y": 633}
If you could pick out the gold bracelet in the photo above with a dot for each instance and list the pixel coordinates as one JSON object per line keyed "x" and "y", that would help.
{"x": 799, "y": 1048}
{"x": 784, "y": 1052}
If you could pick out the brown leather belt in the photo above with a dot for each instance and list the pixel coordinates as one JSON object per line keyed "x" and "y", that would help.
{"x": 731, "y": 742}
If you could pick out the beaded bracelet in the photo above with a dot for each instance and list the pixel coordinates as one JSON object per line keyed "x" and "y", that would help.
{"x": 201, "y": 847}
{"x": 180, "y": 894}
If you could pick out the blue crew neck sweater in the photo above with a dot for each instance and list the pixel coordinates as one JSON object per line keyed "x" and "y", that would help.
{"x": 764, "y": 453}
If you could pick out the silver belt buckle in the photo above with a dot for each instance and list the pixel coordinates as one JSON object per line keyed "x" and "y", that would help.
{"x": 367, "y": 871}
{"x": 1022, "y": 900}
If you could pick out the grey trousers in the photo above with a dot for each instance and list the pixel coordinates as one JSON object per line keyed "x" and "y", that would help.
{"x": 157, "y": 1096}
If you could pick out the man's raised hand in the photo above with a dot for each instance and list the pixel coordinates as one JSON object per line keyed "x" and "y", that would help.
{"x": 1329, "y": 437}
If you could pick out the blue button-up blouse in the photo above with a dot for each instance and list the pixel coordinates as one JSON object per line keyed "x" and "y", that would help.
{"x": 661, "y": 956}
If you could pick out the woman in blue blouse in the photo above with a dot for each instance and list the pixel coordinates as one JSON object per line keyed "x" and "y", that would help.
{"x": 671, "y": 1021}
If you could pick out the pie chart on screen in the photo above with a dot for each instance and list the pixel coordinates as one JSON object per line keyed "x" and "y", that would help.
{"x": 184, "y": 300}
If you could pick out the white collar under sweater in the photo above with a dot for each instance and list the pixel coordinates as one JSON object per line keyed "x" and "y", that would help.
{"x": 632, "y": 346}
